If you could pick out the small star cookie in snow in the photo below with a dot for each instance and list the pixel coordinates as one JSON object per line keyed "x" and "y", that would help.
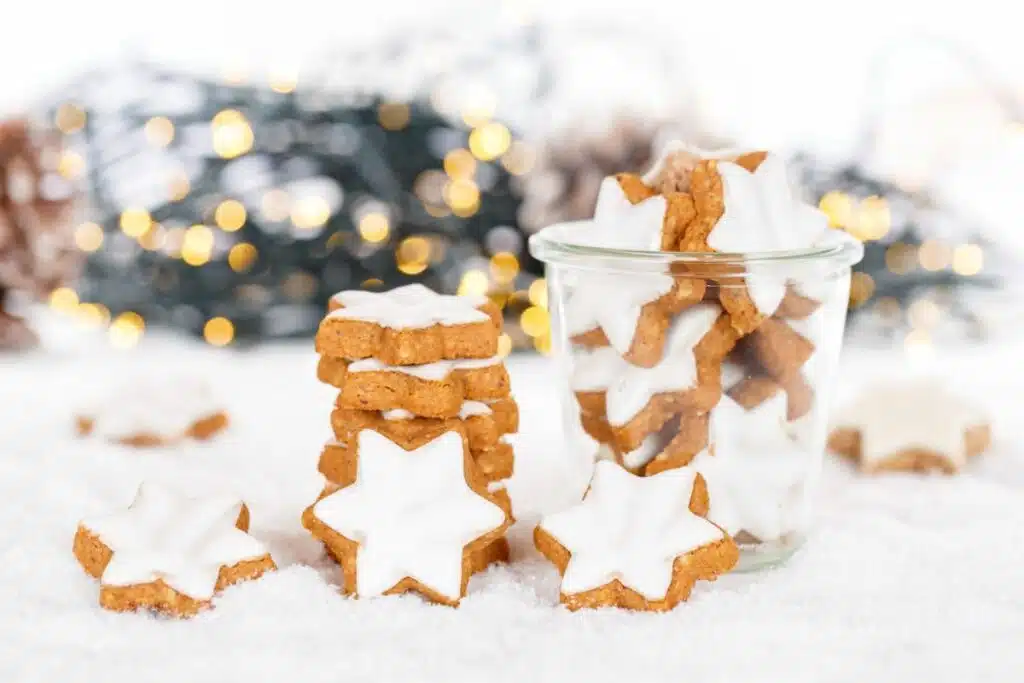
{"x": 170, "y": 552}
{"x": 154, "y": 411}
{"x": 634, "y": 542}
{"x": 919, "y": 426}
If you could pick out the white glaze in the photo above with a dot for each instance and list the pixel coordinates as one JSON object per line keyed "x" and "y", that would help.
{"x": 409, "y": 307}
{"x": 164, "y": 406}
{"x": 436, "y": 371}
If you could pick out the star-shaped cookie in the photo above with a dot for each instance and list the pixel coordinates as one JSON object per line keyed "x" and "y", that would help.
{"x": 410, "y": 519}
{"x": 919, "y": 425}
{"x": 633, "y": 542}
{"x": 169, "y": 551}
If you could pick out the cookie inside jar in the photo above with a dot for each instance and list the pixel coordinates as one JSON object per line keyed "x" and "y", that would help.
{"x": 701, "y": 313}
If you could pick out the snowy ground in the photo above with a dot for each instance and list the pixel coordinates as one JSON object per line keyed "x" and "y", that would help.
{"x": 906, "y": 578}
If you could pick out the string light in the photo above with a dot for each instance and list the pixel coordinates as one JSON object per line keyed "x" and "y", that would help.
{"x": 135, "y": 222}
{"x": 873, "y": 218}
{"x": 933, "y": 255}
{"x": 126, "y": 330}
{"x": 70, "y": 118}
{"x": 393, "y": 115}
{"x": 504, "y": 267}
{"x": 504, "y": 345}
{"x": 900, "y": 258}
{"x": 459, "y": 164}
{"x": 519, "y": 159}
{"x": 310, "y": 212}
{"x": 838, "y": 207}
{"x": 93, "y": 314}
{"x": 153, "y": 238}
{"x": 197, "y": 245}
{"x": 230, "y": 215}
{"x": 371, "y": 283}
{"x": 412, "y": 255}
{"x": 489, "y": 141}
{"x": 374, "y": 227}
{"x": 538, "y": 292}
{"x": 159, "y": 131}
{"x": 534, "y": 321}
{"x": 218, "y": 331}
{"x": 89, "y": 237}
{"x": 463, "y": 196}
{"x": 179, "y": 187}
{"x": 275, "y": 205}
{"x": 64, "y": 299}
{"x": 232, "y": 134}
{"x": 71, "y": 164}
{"x": 862, "y": 286}
{"x": 242, "y": 256}
{"x": 473, "y": 283}
{"x": 543, "y": 344}
{"x": 968, "y": 259}
{"x": 174, "y": 239}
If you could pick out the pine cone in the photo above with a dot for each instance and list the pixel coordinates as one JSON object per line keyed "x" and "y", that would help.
{"x": 38, "y": 211}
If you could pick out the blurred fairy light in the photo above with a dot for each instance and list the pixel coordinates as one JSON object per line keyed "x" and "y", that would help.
{"x": 519, "y": 159}
{"x": 413, "y": 255}
{"x": 275, "y": 205}
{"x": 219, "y": 331}
{"x": 93, "y": 314}
{"x": 230, "y": 215}
{"x": 153, "y": 238}
{"x": 463, "y": 196}
{"x": 135, "y": 222}
{"x": 311, "y": 212}
{"x": 504, "y": 267}
{"x": 538, "y": 292}
{"x": 179, "y": 187}
{"x": 374, "y": 227}
{"x": 371, "y": 283}
{"x": 459, "y": 164}
{"x": 126, "y": 330}
{"x": 838, "y": 207}
{"x": 283, "y": 80}
{"x": 64, "y": 299}
{"x": 901, "y": 258}
{"x": 478, "y": 107}
{"x": 393, "y": 115}
{"x": 197, "y": 245}
{"x": 70, "y": 118}
{"x": 242, "y": 256}
{"x": 933, "y": 255}
{"x": 534, "y": 321}
{"x": 89, "y": 237}
{"x": 862, "y": 287}
{"x": 474, "y": 283}
{"x": 489, "y": 141}
{"x": 174, "y": 239}
{"x": 159, "y": 131}
{"x": 232, "y": 134}
{"x": 866, "y": 219}
{"x": 968, "y": 259}
{"x": 71, "y": 164}
{"x": 504, "y": 345}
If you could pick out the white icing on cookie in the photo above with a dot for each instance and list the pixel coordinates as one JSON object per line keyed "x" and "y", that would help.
{"x": 495, "y": 486}
{"x": 629, "y": 388}
{"x": 161, "y": 406}
{"x": 921, "y": 414}
{"x": 468, "y": 409}
{"x": 408, "y": 307}
{"x": 630, "y": 528}
{"x": 411, "y": 512}
{"x": 732, "y": 374}
{"x": 608, "y": 301}
{"x": 181, "y": 539}
{"x": 435, "y": 372}
{"x": 762, "y": 215}
{"x": 752, "y": 468}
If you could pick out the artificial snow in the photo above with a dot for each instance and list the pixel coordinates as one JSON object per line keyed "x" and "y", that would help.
{"x": 907, "y": 578}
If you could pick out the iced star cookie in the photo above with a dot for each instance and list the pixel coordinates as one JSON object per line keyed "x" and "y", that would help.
{"x": 169, "y": 552}
{"x": 155, "y": 411}
{"x": 633, "y": 542}
{"x": 436, "y": 389}
{"x": 746, "y": 209}
{"x": 919, "y": 426}
{"x": 409, "y": 325}
{"x": 637, "y": 401}
{"x": 409, "y": 520}
{"x": 629, "y": 312}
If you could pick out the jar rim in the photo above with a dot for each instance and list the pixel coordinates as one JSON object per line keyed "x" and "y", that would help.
{"x": 550, "y": 245}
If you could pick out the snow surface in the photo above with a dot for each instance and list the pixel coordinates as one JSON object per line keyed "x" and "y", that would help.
{"x": 907, "y": 578}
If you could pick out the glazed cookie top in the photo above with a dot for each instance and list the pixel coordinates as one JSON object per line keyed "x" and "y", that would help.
{"x": 163, "y": 406}
{"x": 629, "y": 387}
{"x": 435, "y": 371}
{"x": 183, "y": 540}
{"x": 412, "y": 513}
{"x": 468, "y": 409}
{"x": 630, "y": 528}
{"x": 409, "y": 307}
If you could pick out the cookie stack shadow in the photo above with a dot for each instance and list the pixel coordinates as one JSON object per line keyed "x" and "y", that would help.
{"x": 412, "y": 385}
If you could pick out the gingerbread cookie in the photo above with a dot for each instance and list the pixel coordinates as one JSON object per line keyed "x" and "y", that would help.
{"x": 920, "y": 426}
{"x": 672, "y": 170}
{"x": 436, "y": 389}
{"x": 154, "y": 412}
{"x": 408, "y": 325}
{"x": 169, "y": 552}
{"x": 637, "y": 401}
{"x": 747, "y": 207}
{"x": 633, "y": 542}
{"x": 409, "y": 520}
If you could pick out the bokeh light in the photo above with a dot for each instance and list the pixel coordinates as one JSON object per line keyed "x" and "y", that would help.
{"x": 232, "y": 134}
{"x": 218, "y": 331}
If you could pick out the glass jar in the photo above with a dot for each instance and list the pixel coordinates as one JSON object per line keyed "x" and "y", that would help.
{"x": 658, "y": 374}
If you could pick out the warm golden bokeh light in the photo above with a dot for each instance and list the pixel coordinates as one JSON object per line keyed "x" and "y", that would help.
{"x": 126, "y": 330}
{"x": 474, "y": 283}
{"x": 374, "y": 227}
{"x": 159, "y": 131}
{"x": 504, "y": 345}
{"x": 519, "y": 159}
{"x": 197, "y": 245}
{"x": 135, "y": 222}
{"x": 900, "y": 258}
{"x": 93, "y": 314}
{"x": 230, "y": 215}
{"x": 71, "y": 164}
{"x": 838, "y": 206}
{"x": 934, "y": 255}
{"x": 393, "y": 115}
{"x": 873, "y": 218}
{"x": 413, "y": 255}
{"x": 152, "y": 239}
{"x": 275, "y": 205}
{"x": 218, "y": 331}
{"x": 64, "y": 299}
{"x": 242, "y": 256}
{"x": 463, "y": 196}
{"x": 460, "y": 164}
{"x": 534, "y": 321}
{"x": 70, "y": 118}
{"x": 310, "y": 212}
{"x": 89, "y": 237}
{"x": 968, "y": 259}
{"x": 489, "y": 141}
{"x": 179, "y": 187}
{"x": 232, "y": 134}
{"x": 504, "y": 267}
{"x": 538, "y": 292}
{"x": 862, "y": 286}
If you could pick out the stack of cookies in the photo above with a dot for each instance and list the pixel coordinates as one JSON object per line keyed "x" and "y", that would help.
{"x": 415, "y": 497}
{"x": 700, "y": 376}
